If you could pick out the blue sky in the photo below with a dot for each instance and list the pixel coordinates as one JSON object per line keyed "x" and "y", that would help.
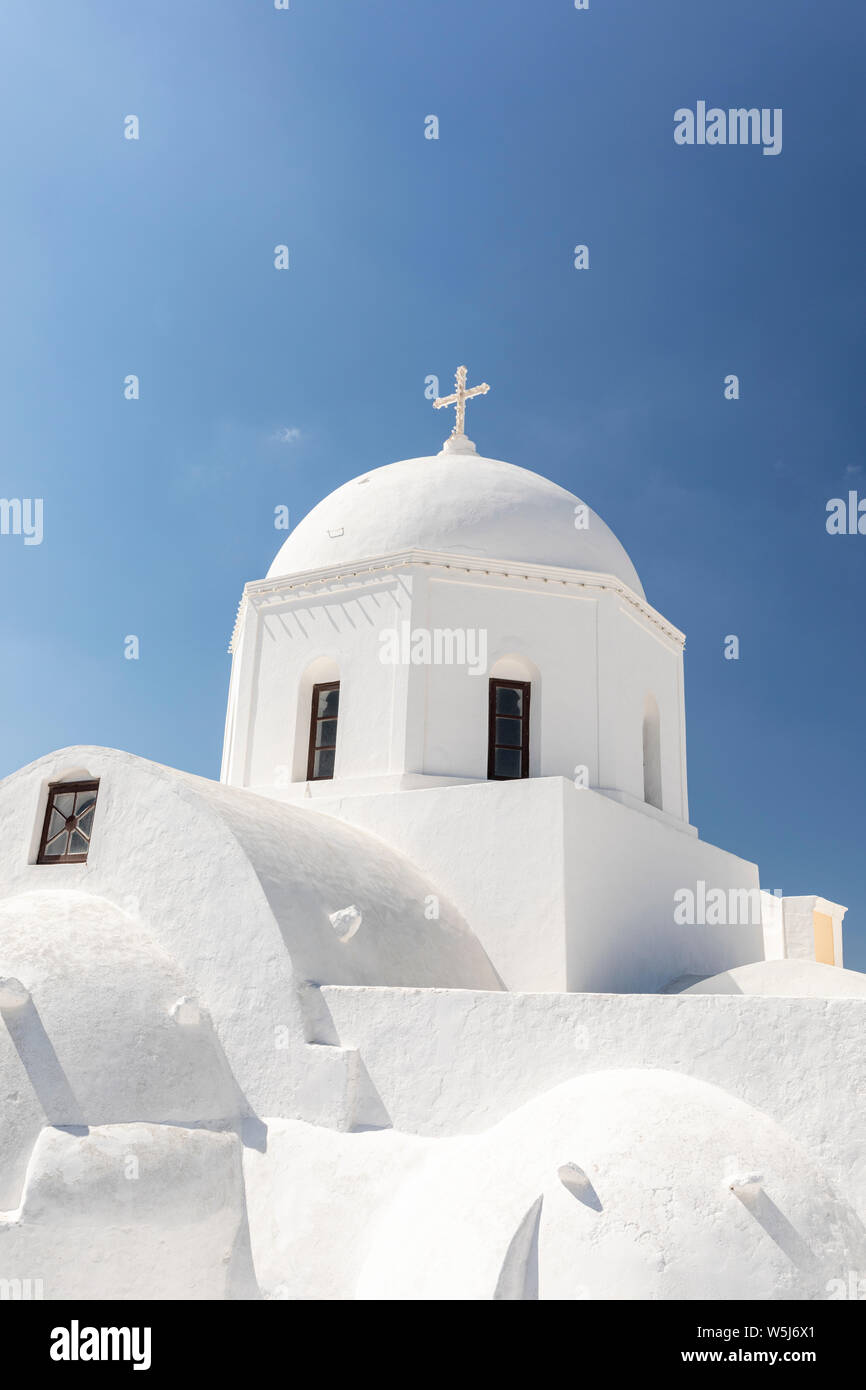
{"x": 409, "y": 256}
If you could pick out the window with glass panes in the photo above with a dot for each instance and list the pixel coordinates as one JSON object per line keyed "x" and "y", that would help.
{"x": 68, "y": 823}
{"x": 323, "y": 731}
{"x": 508, "y": 730}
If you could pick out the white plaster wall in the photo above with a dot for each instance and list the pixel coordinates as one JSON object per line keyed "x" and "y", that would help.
{"x": 622, "y": 1183}
{"x": 132, "y": 1211}
{"x": 564, "y": 887}
{"x": 236, "y": 890}
{"x": 635, "y": 659}
{"x": 592, "y": 654}
{"x": 455, "y": 1062}
{"x": 799, "y": 928}
{"x": 490, "y": 1217}
{"x": 163, "y": 855}
{"x": 313, "y": 1201}
{"x": 798, "y": 915}
{"x": 555, "y": 634}
{"x": 345, "y": 629}
{"x": 496, "y": 849}
{"x": 772, "y": 916}
{"x": 622, "y": 869}
{"x": 96, "y": 1042}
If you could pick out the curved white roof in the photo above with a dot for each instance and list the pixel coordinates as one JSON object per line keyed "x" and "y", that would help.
{"x": 623, "y": 1184}
{"x": 95, "y": 1042}
{"x": 301, "y": 870}
{"x": 793, "y": 979}
{"x": 457, "y": 503}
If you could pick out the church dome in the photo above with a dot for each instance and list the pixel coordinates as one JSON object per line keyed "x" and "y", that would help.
{"x": 457, "y": 503}
{"x": 622, "y": 1184}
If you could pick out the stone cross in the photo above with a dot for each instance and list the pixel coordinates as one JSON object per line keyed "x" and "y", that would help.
{"x": 459, "y": 399}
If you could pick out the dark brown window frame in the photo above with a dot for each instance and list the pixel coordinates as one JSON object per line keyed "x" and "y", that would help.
{"x": 315, "y": 720}
{"x": 58, "y": 789}
{"x": 492, "y": 745}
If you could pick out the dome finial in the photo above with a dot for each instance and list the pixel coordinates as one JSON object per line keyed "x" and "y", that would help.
{"x": 457, "y": 443}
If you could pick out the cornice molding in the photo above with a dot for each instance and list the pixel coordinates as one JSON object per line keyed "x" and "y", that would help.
{"x": 265, "y": 593}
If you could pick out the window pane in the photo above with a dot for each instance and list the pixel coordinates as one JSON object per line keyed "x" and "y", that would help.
{"x": 509, "y": 732}
{"x": 323, "y": 766}
{"x": 68, "y": 822}
{"x": 326, "y": 733}
{"x": 329, "y": 703}
{"x": 506, "y": 762}
{"x": 508, "y": 701}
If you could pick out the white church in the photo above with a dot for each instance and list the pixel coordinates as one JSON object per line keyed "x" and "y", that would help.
{"x": 437, "y": 993}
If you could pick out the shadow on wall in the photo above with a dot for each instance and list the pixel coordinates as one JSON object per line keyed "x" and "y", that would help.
{"x": 652, "y": 756}
{"x": 42, "y": 1066}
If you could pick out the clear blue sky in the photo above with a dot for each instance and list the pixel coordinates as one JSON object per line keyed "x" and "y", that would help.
{"x": 409, "y": 256}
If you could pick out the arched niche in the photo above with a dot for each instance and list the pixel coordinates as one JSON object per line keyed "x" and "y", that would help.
{"x": 320, "y": 671}
{"x": 652, "y": 755}
{"x": 514, "y": 666}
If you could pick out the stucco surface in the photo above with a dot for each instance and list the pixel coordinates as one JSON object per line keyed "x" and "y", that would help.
{"x": 618, "y": 1184}
{"x": 806, "y": 979}
{"x": 96, "y": 1043}
{"x": 458, "y": 503}
{"x": 451, "y": 1062}
{"x": 237, "y": 892}
{"x": 564, "y": 887}
{"x": 132, "y": 1211}
{"x": 654, "y": 1162}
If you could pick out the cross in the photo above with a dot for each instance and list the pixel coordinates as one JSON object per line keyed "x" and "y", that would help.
{"x": 460, "y": 397}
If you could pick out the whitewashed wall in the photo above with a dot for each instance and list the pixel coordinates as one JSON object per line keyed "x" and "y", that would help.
{"x": 566, "y": 888}
{"x": 446, "y": 1062}
{"x": 592, "y": 650}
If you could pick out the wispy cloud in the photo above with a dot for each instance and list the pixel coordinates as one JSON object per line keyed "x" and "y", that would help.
{"x": 288, "y": 434}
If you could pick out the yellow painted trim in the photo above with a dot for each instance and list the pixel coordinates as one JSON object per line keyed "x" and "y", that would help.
{"x": 823, "y": 926}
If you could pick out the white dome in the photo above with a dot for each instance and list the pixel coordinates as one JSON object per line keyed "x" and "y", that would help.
{"x": 791, "y": 979}
{"x": 457, "y": 503}
{"x": 624, "y": 1184}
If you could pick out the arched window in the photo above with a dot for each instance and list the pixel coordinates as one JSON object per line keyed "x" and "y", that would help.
{"x": 323, "y": 731}
{"x": 513, "y": 719}
{"x": 508, "y": 729}
{"x": 316, "y": 714}
{"x": 652, "y": 757}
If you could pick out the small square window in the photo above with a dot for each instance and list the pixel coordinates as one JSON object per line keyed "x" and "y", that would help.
{"x": 68, "y": 823}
